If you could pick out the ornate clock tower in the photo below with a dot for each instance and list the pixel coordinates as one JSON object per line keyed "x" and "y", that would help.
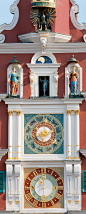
{"x": 43, "y": 110}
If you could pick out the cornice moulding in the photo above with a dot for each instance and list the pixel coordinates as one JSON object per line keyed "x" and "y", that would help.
{"x": 15, "y": 48}
{"x": 3, "y": 152}
{"x": 83, "y": 152}
{"x": 51, "y": 37}
{"x": 2, "y": 96}
{"x": 51, "y": 101}
{"x": 46, "y": 65}
{"x": 14, "y": 10}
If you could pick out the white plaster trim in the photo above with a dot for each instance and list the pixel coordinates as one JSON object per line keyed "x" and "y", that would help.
{"x": 84, "y": 37}
{"x": 51, "y": 37}
{"x": 84, "y": 94}
{"x": 14, "y": 10}
{"x": 15, "y": 48}
{"x": 2, "y": 96}
{"x": 83, "y": 152}
{"x": 72, "y": 103}
{"x": 75, "y": 9}
{"x": 3, "y": 152}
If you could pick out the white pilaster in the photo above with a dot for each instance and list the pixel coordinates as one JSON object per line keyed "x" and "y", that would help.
{"x": 56, "y": 83}
{"x": 66, "y": 83}
{"x": 17, "y": 170}
{"x": 9, "y": 186}
{"x": 77, "y": 183}
{"x": 76, "y": 134}
{"x": 68, "y": 134}
{"x": 10, "y": 135}
{"x": 69, "y": 183}
{"x": 18, "y": 134}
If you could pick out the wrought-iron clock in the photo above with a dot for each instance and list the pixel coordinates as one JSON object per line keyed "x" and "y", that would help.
{"x": 43, "y": 134}
{"x": 44, "y": 188}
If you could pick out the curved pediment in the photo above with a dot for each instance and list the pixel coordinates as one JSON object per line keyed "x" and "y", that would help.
{"x": 5, "y": 26}
{"x": 75, "y": 10}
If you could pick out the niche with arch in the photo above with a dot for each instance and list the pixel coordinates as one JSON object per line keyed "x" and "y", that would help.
{"x": 44, "y": 75}
{"x": 19, "y": 72}
{"x": 68, "y": 72}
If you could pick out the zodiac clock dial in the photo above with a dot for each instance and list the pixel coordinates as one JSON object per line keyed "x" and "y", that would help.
{"x": 43, "y": 134}
{"x": 43, "y": 188}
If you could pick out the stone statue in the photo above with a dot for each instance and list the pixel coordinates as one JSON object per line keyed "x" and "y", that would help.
{"x": 45, "y": 85}
{"x": 13, "y": 80}
{"x": 74, "y": 81}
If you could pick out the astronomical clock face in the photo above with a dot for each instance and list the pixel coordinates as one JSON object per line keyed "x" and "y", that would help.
{"x": 43, "y": 134}
{"x": 44, "y": 188}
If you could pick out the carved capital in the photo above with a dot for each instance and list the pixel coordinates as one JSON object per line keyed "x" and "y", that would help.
{"x": 10, "y": 202}
{"x": 17, "y": 202}
{"x": 69, "y": 201}
{"x": 10, "y": 113}
{"x": 18, "y": 113}
{"x": 77, "y": 112}
{"x": 77, "y": 202}
{"x": 68, "y": 112}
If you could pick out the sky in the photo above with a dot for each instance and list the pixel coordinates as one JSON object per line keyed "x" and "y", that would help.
{"x": 6, "y": 16}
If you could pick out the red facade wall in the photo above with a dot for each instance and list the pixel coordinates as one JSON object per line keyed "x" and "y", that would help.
{"x": 3, "y": 126}
{"x": 83, "y": 125}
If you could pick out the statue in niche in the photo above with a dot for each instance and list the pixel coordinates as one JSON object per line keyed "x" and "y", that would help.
{"x": 44, "y": 86}
{"x": 13, "y": 80}
{"x": 74, "y": 81}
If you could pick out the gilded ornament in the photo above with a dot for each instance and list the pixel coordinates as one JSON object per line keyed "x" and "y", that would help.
{"x": 10, "y": 202}
{"x": 69, "y": 201}
{"x": 18, "y": 113}
{"x": 10, "y": 113}
{"x": 68, "y": 112}
{"x": 77, "y": 112}
{"x": 17, "y": 202}
{"x": 77, "y": 202}
{"x": 68, "y": 158}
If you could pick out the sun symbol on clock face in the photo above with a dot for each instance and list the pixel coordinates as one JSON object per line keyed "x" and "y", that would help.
{"x": 43, "y": 134}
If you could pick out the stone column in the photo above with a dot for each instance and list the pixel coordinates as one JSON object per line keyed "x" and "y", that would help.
{"x": 76, "y": 151}
{"x": 68, "y": 134}
{"x": 18, "y": 134}
{"x": 32, "y": 83}
{"x": 56, "y": 83}
{"x": 10, "y": 135}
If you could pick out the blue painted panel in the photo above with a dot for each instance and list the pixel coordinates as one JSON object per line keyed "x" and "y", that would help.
{"x": 35, "y": 141}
